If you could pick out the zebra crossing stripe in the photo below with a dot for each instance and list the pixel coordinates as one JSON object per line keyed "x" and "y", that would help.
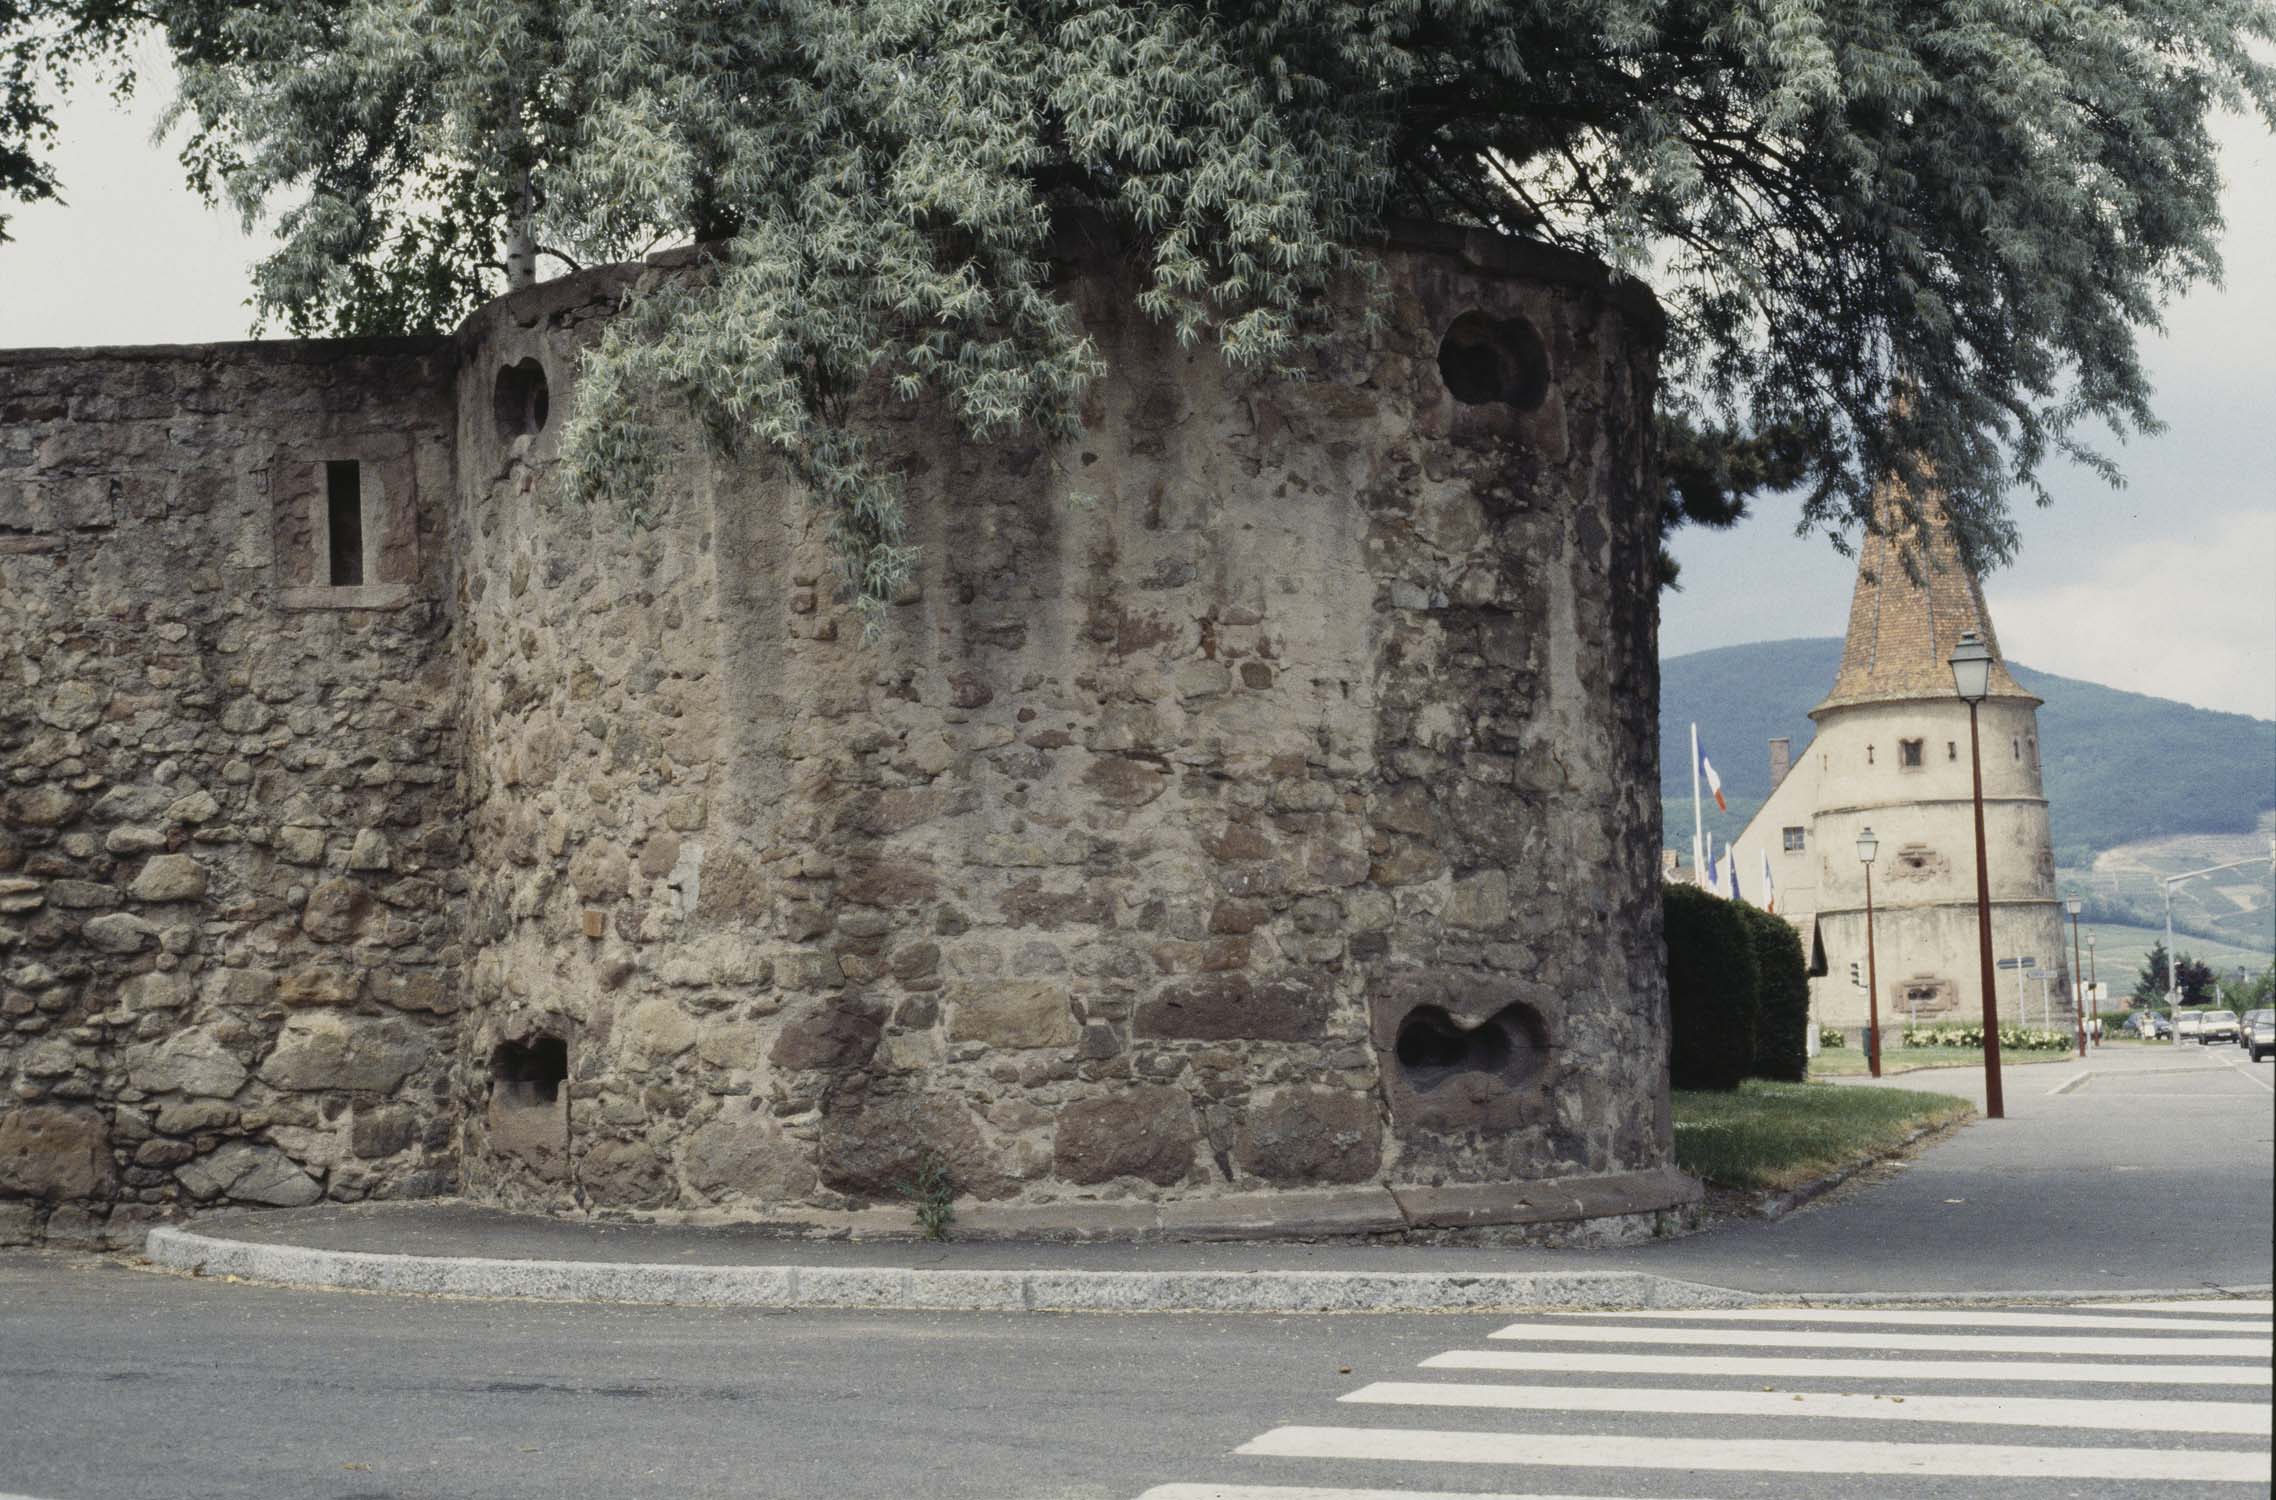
{"x": 1314, "y": 1492}
{"x": 1990, "y": 1370}
{"x": 2243, "y": 1418}
{"x": 2261, "y": 1305}
{"x": 1762, "y": 1455}
{"x": 1948, "y": 1343}
{"x": 1957, "y": 1317}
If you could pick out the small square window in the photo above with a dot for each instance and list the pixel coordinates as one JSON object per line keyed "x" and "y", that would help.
{"x": 1910, "y": 753}
{"x": 1793, "y": 839}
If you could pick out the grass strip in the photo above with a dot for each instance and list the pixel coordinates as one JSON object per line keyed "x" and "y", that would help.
{"x": 1776, "y": 1136}
{"x": 1849, "y": 1062}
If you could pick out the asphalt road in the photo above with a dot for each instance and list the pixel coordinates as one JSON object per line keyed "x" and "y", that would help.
{"x": 122, "y": 1385}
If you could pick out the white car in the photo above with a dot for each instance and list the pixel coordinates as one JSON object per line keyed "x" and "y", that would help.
{"x": 2260, "y": 1034}
{"x": 2189, "y": 1026}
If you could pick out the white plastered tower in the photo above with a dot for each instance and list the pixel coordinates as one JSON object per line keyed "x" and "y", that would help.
{"x": 1891, "y": 753}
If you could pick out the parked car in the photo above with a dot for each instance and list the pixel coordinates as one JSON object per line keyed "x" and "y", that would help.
{"x": 2218, "y": 1026}
{"x": 2259, "y": 1031}
{"x": 2188, "y": 1025}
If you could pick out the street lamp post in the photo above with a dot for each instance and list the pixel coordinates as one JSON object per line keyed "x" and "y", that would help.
{"x": 2078, "y": 981}
{"x": 1867, "y": 846}
{"x": 2093, "y": 977}
{"x": 1971, "y": 675}
{"x": 2172, "y": 965}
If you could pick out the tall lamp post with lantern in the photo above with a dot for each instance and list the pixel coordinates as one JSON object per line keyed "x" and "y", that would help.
{"x": 1867, "y": 847}
{"x": 1971, "y": 662}
{"x": 2078, "y": 977}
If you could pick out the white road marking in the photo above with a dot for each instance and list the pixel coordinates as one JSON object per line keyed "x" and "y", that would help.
{"x": 1948, "y": 1343}
{"x": 1314, "y": 1492}
{"x": 1987, "y": 1370}
{"x": 2241, "y": 1063}
{"x": 2261, "y": 1305}
{"x": 1950, "y": 1316}
{"x": 1761, "y": 1455}
{"x": 2250, "y": 1419}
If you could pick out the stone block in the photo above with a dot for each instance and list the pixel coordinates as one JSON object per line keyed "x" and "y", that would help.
{"x": 324, "y": 985}
{"x": 873, "y": 1146}
{"x": 1298, "y": 1135}
{"x": 1011, "y": 1014}
{"x": 119, "y": 932}
{"x": 155, "y": 991}
{"x": 55, "y": 1153}
{"x": 335, "y": 911}
{"x": 370, "y": 851}
{"x": 169, "y": 877}
{"x": 833, "y": 1034}
{"x": 1147, "y": 1132}
{"x": 301, "y": 846}
{"x": 188, "y": 1062}
{"x": 744, "y": 1155}
{"x": 246, "y": 1173}
{"x": 657, "y": 1030}
{"x": 1230, "y": 1007}
{"x": 249, "y": 988}
{"x": 326, "y": 1050}
{"x": 43, "y": 806}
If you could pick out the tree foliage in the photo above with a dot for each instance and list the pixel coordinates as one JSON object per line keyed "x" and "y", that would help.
{"x": 1913, "y": 239}
{"x": 2194, "y": 978}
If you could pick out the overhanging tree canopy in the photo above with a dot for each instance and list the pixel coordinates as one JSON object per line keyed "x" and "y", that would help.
{"x": 1973, "y": 205}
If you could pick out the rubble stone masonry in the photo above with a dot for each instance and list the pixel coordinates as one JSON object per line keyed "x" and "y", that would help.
{"x": 1245, "y": 821}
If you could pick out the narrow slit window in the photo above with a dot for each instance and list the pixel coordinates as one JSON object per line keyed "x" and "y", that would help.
{"x": 344, "y": 521}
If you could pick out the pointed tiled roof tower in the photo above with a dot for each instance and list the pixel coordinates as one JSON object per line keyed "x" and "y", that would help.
{"x": 1902, "y": 631}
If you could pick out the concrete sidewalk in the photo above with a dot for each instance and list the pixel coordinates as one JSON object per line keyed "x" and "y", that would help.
{"x": 2141, "y": 1171}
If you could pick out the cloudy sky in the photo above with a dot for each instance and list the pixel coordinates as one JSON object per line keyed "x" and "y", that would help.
{"x": 2167, "y": 586}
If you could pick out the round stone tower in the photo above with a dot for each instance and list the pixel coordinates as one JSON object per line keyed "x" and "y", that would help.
{"x": 1891, "y": 753}
{"x": 1244, "y": 823}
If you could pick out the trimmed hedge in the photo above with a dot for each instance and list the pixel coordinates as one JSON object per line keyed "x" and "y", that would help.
{"x": 1782, "y": 1003}
{"x": 1712, "y": 985}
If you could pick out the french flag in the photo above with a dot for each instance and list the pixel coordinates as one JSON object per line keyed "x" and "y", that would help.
{"x": 1714, "y": 782}
{"x": 1769, "y": 886}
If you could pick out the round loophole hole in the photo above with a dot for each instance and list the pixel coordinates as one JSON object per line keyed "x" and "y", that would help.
{"x": 1433, "y": 1048}
{"x": 1488, "y": 361}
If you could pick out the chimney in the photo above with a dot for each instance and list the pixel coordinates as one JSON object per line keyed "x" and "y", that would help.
{"x": 1781, "y": 761}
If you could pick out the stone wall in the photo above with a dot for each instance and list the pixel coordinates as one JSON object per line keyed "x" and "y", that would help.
{"x": 228, "y": 835}
{"x": 1271, "y": 731}
{"x": 1244, "y": 821}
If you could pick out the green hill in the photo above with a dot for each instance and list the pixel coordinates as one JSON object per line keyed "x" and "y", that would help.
{"x": 2120, "y": 766}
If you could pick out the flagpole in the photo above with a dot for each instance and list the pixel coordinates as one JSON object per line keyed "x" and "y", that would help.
{"x": 1698, "y": 819}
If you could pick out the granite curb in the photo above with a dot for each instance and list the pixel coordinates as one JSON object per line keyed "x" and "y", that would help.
{"x": 926, "y": 1289}
{"x": 921, "y": 1289}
